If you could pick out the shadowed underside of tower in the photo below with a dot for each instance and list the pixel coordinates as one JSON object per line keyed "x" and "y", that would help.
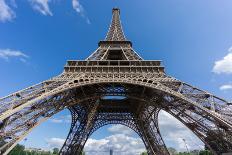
{"x": 114, "y": 85}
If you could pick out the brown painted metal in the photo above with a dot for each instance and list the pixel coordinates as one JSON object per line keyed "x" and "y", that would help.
{"x": 114, "y": 85}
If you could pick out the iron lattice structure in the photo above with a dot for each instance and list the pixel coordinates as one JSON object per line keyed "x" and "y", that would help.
{"x": 115, "y": 85}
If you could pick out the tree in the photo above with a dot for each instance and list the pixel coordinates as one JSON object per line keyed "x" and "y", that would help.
{"x": 55, "y": 151}
{"x": 18, "y": 149}
{"x": 172, "y": 151}
{"x": 205, "y": 152}
{"x": 194, "y": 152}
{"x": 144, "y": 153}
{"x": 183, "y": 153}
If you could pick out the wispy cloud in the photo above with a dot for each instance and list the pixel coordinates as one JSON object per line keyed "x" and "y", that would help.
{"x": 6, "y": 54}
{"x": 55, "y": 142}
{"x": 41, "y": 6}
{"x": 173, "y": 133}
{"x": 120, "y": 129}
{"x": 80, "y": 10}
{"x": 226, "y": 87}
{"x": 123, "y": 139}
{"x": 54, "y": 120}
{"x": 6, "y": 13}
{"x": 77, "y": 6}
{"x": 61, "y": 119}
{"x": 224, "y": 65}
{"x": 120, "y": 143}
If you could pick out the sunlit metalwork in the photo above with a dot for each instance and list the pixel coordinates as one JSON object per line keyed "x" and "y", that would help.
{"x": 114, "y": 85}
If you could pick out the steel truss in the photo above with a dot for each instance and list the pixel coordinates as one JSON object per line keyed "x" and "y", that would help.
{"x": 112, "y": 114}
{"x": 116, "y": 86}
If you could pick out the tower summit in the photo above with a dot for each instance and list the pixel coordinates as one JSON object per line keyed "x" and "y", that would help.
{"x": 115, "y": 46}
{"x": 114, "y": 85}
{"x": 115, "y": 32}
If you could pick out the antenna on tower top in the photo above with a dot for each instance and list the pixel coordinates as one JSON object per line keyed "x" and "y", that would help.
{"x": 116, "y": 9}
{"x": 115, "y": 32}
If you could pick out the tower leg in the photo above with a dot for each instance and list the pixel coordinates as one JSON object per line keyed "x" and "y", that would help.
{"x": 150, "y": 133}
{"x": 82, "y": 124}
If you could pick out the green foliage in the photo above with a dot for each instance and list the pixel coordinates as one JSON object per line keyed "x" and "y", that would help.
{"x": 18, "y": 150}
{"x": 144, "y": 153}
{"x": 172, "y": 151}
{"x": 55, "y": 151}
{"x": 205, "y": 152}
{"x": 184, "y": 153}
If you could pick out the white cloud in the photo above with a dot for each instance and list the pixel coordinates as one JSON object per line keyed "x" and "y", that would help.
{"x": 54, "y": 120}
{"x": 61, "y": 119}
{"x": 42, "y": 6}
{"x": 77, "y": 6}
{"x": 8, "y": 53}
{"x": 119, "y": 143}
{"x": 226, "y": 87}
{"x": 79, "y": 9}
{"x": 173, "y": 133}
{"x": 55, "y": 142}
{"x": 6, "y": 13}
{"x": 118, "y": 128}
{"x": 224, "y": 65}
{"x": 122, "y": 140}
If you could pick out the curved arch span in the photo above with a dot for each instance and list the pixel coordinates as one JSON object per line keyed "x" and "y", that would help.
{"x": 173, "y": 102}
{"x": 146, "y": 83}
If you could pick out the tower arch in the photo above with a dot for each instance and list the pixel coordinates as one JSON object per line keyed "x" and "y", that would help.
{"x": 115, "y": 69}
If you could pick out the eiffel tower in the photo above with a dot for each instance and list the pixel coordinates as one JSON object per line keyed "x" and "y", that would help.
{"x": 115, "y": 85}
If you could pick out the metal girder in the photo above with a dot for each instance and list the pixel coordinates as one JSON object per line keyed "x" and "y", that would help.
{"x": 115, "y": 41}
{"x": 115, "y": 32}
{"x": 114, "y": 85}
{"x": 103, "y": 86}
{"x": 81, "y": 127}
{"x": 147, "y": 122}
{"x": 147, "y": 130}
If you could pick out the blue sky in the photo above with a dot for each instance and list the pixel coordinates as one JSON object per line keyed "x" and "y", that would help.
{"x": 193, "y": 38}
